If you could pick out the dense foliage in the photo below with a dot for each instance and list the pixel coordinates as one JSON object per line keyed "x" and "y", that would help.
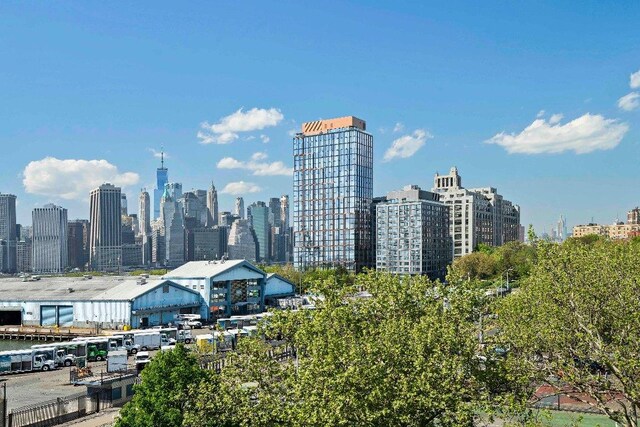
{"x": 575, "y": 324}
{"x": 397, "y": 350}
{"x": 161, "y": 397}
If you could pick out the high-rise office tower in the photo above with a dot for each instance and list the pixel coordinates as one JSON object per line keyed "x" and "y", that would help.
{"x": 49, "y": 239}
{"x": 194, "y": 208}
{"x": 275, "y": 212}
{"x": 173, "y": 221}
{"x": 239, "y": 208}
{"x": 162, "y": 177}
{"x": 105, "y": 253}
{"x": 412, "y": 233}
{"x": 123, "y": 205}
{"x": 24, "y": 253}
{"x": 285, "y": 229}
{"x": 8, "y": 233}
{"x": 144, "y": 213}
{"x": 77, "y": 243}
{"x": 477, "y": 215}
{"x": 333, "y": 189}
{"x": 212, "y": 203}
{"x": 242, "y": 242}
{"x": 174, "y": 190}
{"x": 258, "y": 214}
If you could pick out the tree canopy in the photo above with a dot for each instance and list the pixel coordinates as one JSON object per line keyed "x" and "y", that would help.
{"x": 161, "y": 397}
{"x": 575, "y": 324}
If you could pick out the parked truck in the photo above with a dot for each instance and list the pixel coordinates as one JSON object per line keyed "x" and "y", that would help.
{"x": 66, "y": 353}
{"x": 150, "y": 339}
{"x": 27, "y": 360}
{"x": 175, "y": 334}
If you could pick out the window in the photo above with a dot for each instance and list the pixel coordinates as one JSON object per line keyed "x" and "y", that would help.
{"x": 165, "y": 289}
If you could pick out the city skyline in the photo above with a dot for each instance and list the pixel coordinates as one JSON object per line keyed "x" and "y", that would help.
{"x": 224, "y": 106}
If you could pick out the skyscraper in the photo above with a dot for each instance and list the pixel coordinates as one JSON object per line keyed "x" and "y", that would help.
{"x": 212, "y": 203}
{"x": 78, "y": 243}
{"x": 105, "y": 253}
{"x": 258, "y": 214}
{"x": 144, "y": 213}
{"x": 162, "y": 177}
{"x": 124, "y": 211}
{"x": 239, "y": 208}
{"x": 173, "y": 221}
{"x": 194, "y": 208}
{"x": 50, "y": 251}
{"x": 174, "y": 189}
{"x": 286, "y": 230}
{"x": 333, "y": 189}
{"x": 8, "y": 233}
{"x": 242, "y": 241}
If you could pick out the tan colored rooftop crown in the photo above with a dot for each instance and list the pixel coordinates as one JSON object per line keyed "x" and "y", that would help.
{"x": 319, "y": 126}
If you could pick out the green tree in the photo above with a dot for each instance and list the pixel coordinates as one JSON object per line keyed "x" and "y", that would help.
{"x": 405, "y": 354}
{"x": 575, "y": 324}
{"x": 162, "y": 396}
{"x": 252, "y": 390}
{"x": 532, "y": 237}
{"x": 476, "y": 265}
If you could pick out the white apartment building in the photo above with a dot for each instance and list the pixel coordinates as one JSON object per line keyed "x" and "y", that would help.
{"x": 477, "y": 215}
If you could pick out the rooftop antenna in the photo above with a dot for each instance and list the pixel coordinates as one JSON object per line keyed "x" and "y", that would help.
{"x": 162, "y": 157}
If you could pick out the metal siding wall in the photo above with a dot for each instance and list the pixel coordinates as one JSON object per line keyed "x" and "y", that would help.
{"x": 48, "y": 315}
{"x": 276, "y": 286}
{"x": 65, "y": 315}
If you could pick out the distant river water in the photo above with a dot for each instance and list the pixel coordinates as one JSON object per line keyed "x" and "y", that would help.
{"x": 17, "y": 344}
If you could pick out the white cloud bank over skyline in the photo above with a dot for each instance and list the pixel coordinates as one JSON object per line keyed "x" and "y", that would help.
{"x": 256, "y": 165}
{"x": 240, "y": 188}
{"x": 227, "y": 129}
{"x": 71, "y": 179}
{"x": 585, "y": 134}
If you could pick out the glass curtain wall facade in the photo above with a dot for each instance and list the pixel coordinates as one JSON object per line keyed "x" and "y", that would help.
{"x": 333, "y": 190}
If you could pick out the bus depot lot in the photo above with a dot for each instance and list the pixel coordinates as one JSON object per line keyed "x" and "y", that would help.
{"x": 35, "y": 387}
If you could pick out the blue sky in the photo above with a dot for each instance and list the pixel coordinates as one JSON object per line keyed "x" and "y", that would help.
{"x": 88, "y": 81}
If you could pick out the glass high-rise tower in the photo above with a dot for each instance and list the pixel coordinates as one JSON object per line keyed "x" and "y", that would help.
{"x": 162, "y": 177}
{"x": 332, "y": 194}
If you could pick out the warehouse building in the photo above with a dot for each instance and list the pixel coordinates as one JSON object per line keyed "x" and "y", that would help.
{"x": 277, "y": 287}
{"x": 109, "y": 302}
{"x": 231, "y": 287}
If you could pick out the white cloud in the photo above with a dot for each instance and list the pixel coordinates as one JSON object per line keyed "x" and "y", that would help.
{"x": 72, "y": 178}
{"x": 399, "y": 127}
{"x": 240, "y": 187}
{"x": 555, "y": 119}
{"x": 265, "y": 138}
{"x": 258, "y": 167}
{"x": 230, "y": 163}
{"x": 227, "y": 129}
{"x": 540, "y": 113}
{"x": 634, "y": 80}
{"x": 158, "y": 154}
{"x": 259, "y": 156}
{"x": 585, "y": 134}
{"x": 629, "y": 102}
{"x": 407, "y": 146}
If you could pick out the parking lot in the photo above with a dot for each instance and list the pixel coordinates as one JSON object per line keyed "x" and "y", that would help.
{"x": 36, "y": 387}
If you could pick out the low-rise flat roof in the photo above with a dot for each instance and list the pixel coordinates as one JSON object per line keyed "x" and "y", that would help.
{"x": 112, "y": 288}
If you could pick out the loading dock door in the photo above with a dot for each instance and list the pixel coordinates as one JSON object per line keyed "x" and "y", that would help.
{"x": 65, "y": 315}
{"x": 10, "y": 316}
{"x": 48, "y": 315}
